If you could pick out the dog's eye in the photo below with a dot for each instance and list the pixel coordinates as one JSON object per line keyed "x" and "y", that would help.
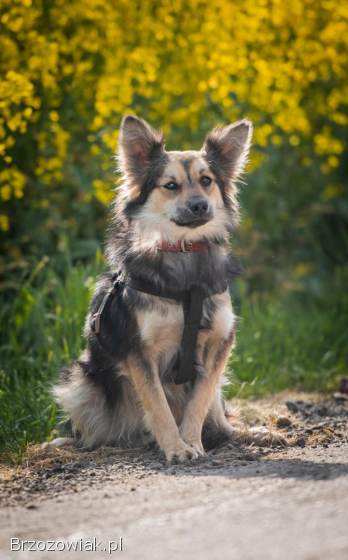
{"x": 171, "y": 186}
{"x": 205, "y": 181}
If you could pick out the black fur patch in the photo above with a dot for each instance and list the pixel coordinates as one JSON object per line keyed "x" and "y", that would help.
{"x": 213, "y": 436}
{"x": 221, "y": 175}
{"x": 155, "y": 171}
{"x": 186, "y": 163}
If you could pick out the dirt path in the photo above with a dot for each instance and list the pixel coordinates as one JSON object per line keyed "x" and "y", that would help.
{"x": 239, "y": 502}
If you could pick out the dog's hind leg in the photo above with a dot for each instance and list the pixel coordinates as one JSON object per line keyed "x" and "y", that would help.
{"x": 216, "y": 429}
{"x": 158, "y": 416}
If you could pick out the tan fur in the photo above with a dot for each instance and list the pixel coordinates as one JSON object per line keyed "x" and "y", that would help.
{"x": 161, "y": 329}
{"x": 158, "y": 416}
{"x": 133, "y": 191}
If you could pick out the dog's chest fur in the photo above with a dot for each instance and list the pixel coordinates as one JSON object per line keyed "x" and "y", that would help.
{"x": 161, "y": 326}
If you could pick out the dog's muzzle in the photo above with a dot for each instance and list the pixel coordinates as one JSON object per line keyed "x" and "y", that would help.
{"x": 196, "y": 212}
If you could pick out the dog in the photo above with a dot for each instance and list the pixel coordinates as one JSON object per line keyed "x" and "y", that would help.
{"x": 169, "y": 231}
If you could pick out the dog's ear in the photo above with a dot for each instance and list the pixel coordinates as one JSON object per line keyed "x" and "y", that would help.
{"x": 227, "y": 148}
{"x": 139, "y": 145}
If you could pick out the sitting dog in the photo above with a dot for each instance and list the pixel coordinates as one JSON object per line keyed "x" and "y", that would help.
{"x": 161, "y": 325}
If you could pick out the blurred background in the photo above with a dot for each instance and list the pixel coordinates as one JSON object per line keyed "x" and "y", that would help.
{"x": 69, "y": 71}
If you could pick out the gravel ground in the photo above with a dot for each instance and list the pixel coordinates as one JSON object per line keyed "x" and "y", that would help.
{"x": 241, "y": 501}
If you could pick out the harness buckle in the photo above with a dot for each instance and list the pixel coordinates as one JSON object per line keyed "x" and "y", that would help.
{"x": 96, "y": 317}
{"x": 186, "y": 247}
{"x": 95, "y": 322}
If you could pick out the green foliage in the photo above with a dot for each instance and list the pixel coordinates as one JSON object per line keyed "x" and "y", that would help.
{"x": 293, "y": 341}
{"x": 294, "y": 231}
{"x": 42, "y": 331}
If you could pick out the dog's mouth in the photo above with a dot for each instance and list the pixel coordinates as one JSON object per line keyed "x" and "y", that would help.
{"x": 192, "y": 223}
{"x": 188, "y": 220}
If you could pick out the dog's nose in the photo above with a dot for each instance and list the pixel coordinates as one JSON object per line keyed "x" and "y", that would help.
{"x": 198, "y": 206}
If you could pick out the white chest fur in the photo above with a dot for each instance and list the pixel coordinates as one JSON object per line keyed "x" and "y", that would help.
{"x": 224, "y": 318}
{"x": 161, "y": 325}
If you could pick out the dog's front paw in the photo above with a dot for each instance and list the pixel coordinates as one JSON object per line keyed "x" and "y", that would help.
{"x": 180, "y": 452}
{"x": 197, "y": 447}
{"x": 194, "y": 441}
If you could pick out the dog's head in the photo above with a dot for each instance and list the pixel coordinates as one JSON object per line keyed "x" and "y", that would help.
{"x": 181, "y": 195}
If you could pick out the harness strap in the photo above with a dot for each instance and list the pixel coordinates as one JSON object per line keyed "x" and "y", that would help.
{"x": 147, "y": 288}
{"x": 193, "y": 308}
{"x": 192, "y": 300}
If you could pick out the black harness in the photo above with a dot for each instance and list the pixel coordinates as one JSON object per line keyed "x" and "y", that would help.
{"x": 185, "y": 369}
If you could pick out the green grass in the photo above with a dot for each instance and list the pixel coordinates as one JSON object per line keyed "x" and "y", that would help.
{"x": 41, "y": 331}
{"x": 294, "y": 341}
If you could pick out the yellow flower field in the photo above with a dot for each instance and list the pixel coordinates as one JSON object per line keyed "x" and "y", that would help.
{"x": 69, "y": 70}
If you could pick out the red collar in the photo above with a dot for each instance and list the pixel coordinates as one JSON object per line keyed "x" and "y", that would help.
{"x": 183, "y": 246}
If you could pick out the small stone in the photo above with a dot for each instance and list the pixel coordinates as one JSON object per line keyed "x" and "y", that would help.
{"x": 155, "y": 465}
{"x": 31, "y": 506}
{"x": 283, "y": 422}
{"x": 344, "y": 386}
{"x": 292, "y": 406}
{"x": 56, "y": 469}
